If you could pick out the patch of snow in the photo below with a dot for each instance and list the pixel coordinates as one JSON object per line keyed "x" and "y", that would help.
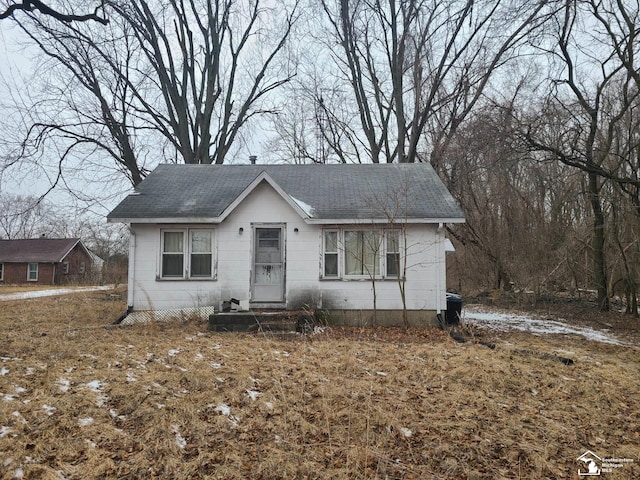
{"x": 4, "y": 431}
{"x": 63, "y": 384}
{"x": 7, "y": 398}
{"x": 180, "y": 440}
{"x": 9, "y": 359}
{"x": 406, "y": 432}
{"x": 305, "y": 207}
{"x": 51, "y": 292}
{"x": 19, "y": 416}
{"x": 199, "y": 356}
{"x": 223, "y": 409}
{"x": 19, "y": 473}
{"x": 131, "y": 377}
{"x": 382, "y": 374}
{"x": 49, "y": 409}
{"x": 253, "y": 394}
{"x": 173, "y": 352}
{"x": 83, "y": 422}
{"x": 19, "y": 390}
{"x": 505, "y": 321}
{"x": 215, "y": 365}
{"x": 29, "y": 371}
{"x": 95, "y": 385}
{"x": 4, "y": 371}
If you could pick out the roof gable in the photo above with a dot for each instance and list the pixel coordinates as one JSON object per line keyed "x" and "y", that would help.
{"x": 319, "y": 193}
{"x": 41, "y": 250}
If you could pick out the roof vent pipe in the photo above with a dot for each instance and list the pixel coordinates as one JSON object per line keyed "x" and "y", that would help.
{"x": 252, "y": 159}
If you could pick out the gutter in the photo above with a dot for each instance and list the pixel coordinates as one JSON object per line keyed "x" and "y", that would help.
{"x": 131, "y": 274}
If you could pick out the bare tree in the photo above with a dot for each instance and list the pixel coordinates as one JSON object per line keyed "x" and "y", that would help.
{"x": 45, "y": 9}
{"x": 410, "y": 62}
{"x": 594, "y": 94}
{"x": 171, "y": 80}
{"x": 212, "y": 67}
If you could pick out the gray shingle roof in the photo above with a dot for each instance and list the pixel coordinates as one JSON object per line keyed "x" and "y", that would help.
{"x": 324, "y": 192}
{"x": 41, "y": 250}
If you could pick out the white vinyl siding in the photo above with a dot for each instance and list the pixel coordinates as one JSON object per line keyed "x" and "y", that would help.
{"x": 186, "y": 253}
{"x": 32, "y": 272}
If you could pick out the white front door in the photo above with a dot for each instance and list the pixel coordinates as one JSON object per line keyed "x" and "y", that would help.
{"x": 268, "y": 264}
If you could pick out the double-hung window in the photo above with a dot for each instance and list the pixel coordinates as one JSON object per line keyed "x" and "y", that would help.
{"x": 187, "y": 253}
{"x": 360, "y": 253}
{"x": 392, "y": 249}
{"x": 32, "y": 272}
{"x": 330, "y": 253}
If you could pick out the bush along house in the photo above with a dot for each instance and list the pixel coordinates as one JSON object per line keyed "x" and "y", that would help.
{"x": 346, "y": 239}
{"x": 44, "y": 261}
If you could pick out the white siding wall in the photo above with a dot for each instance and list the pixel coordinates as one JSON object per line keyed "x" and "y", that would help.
{"x": 425, "y": 275}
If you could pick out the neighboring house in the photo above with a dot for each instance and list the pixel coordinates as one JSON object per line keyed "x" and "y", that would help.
{"x": 289, "y": 236}
{"x": 47, "y": 261}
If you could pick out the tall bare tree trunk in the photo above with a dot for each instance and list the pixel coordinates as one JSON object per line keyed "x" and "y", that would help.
{"x": 598, "y": 243}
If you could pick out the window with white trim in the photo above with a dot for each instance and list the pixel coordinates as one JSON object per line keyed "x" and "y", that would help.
{"x": 32, "y": 272}
{"x": 360, "y": 253}
{"x": 330, "y": 255}
{"x": 186, "y": 253}
{"x": 392, "y": 250}
{"x": 65, "y": 268}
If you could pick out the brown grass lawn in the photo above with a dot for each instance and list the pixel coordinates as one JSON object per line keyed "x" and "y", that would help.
{"x": 81, "y": 399}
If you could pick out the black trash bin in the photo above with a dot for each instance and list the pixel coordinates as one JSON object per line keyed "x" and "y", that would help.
{"x": 454, "y": 309}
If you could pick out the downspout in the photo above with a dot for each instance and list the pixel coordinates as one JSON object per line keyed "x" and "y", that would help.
{"x": 131, "y": 273}
{"x": 53, "y": 279}
{"x": 440, "y": 254}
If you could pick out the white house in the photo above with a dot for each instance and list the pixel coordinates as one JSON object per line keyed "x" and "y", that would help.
{"x": 340, "y": 238}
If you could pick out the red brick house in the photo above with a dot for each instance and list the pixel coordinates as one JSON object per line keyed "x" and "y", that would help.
{"x": 46, "y": 261}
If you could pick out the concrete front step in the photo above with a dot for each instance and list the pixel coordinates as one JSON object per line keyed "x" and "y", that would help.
{"x": 274, "y": 322}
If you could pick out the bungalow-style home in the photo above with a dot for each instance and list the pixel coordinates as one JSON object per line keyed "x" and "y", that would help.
{"x": 346, "y": 239}
{"x": 46, "y": 261}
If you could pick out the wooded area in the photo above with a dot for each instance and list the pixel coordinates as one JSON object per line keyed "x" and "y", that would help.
{"x": 527, "y": 110}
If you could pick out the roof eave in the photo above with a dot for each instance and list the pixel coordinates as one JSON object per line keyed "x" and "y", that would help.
{"x": 380, "y": 221}
{"x": 149, "y": 220}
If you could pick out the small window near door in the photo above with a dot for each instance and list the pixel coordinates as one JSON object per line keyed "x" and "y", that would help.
{"x": 393, "y": 252}
{"x": 32, "y": 272}
{"x": 330, "y": 253}
{"x": 65, "y": 268}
